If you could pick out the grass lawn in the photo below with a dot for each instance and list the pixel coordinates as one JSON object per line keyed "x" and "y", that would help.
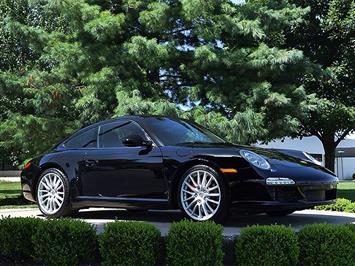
{"x": 11, "y": 196}
{"x": 346, "y": 189}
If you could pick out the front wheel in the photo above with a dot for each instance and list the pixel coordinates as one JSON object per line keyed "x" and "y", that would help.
{"x": 202, "y": 194}
{"x": 53, "y": 193}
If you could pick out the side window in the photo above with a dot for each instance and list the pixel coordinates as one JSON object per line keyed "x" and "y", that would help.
{"x": 112, "y": 135}
{"x": 87, "y": 139}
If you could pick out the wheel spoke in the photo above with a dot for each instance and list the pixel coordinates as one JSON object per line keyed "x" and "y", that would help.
{"x": 50, "y": 178}
{"x": 209, "y": 181}
{"x": 48, "y": 182}
{"x": 191, "y": 187}
{"x": 45, "y": 185}
{"x": 194, "y": 209}
{"x": 212, "y": 195}
{"x": 46, "y": 199}
{"x": 209, "y": 207}
{"x": 204, "y": 179}
{"x": 192, "y": 202}
{"x": 57, "y": 201}
{"x": 213, "y": 188}
{"x": 45, "y": 195}
{"x": 193, "y": 181}
{"x": 59, "y": 197}
{"x": 213, "y": 201}
{"x": 189, "y": 192}
{"x": 187, "y": 199}
{"x": 48, "y": 204}
{"x": 198, "y": 178}
{"x": 204, "y": 208}
{"x": 57, "y": 183}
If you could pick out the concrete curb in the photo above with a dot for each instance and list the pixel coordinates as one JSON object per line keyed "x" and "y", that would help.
{"x": 10, "y": 179}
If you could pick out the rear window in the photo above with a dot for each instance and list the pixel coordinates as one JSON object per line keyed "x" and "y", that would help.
{"x": 87, "y": 139}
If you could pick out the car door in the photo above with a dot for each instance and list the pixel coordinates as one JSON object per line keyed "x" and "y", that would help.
{"x": 115, "y": 170}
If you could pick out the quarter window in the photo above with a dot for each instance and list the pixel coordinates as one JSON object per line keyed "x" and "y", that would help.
{"x": 113, "y": 134}
{"x": 87, "y": 139}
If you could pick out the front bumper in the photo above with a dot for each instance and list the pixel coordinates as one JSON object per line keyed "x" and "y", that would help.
{"x": 285, "y": 197}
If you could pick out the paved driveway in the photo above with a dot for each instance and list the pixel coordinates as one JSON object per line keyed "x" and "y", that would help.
{"x": 163, "y": 219}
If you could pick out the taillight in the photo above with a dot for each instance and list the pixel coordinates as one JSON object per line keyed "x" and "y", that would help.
{"x": 28, "y": 164}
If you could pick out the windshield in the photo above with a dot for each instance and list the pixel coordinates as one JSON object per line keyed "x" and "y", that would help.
{"x": 179, "y": 132}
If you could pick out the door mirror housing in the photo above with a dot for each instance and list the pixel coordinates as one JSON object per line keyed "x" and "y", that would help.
{"x": 135, "y": 141}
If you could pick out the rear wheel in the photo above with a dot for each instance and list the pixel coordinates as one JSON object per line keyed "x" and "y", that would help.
{"x": 279, "y": 213}
{"x": 53, "y": 193}
{"x": 202, "y": 194}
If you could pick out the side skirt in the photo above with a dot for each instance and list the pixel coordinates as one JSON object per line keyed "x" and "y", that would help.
{"x": 118, "y": 202}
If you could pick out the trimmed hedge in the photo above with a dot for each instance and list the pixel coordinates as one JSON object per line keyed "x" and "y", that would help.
{"x": 129, "y": 243}
{"x": 70, "y": 242}
{"x": 192, "y": 243}
{"x": 65, "y": 242}
{"x": 326, "y": 244}
{"x": 16, "y": 237}
{"x": 267, "y": 245}
{"x": 351, "y": 227}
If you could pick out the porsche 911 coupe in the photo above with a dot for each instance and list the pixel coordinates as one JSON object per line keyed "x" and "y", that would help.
{"x": 153, "y": 162}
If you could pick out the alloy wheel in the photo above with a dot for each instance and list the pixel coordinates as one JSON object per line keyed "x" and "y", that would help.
{"x": 200, "y": 195}
{"x": 50, "y": 193}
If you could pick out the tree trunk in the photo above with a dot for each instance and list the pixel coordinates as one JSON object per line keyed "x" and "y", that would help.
{"x": 329, "y": 152}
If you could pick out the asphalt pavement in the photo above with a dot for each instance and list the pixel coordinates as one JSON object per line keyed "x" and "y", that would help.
{"x": 163, "y": 219}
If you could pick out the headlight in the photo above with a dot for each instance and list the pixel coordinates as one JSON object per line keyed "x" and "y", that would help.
{"x": 255, "y": 159}
{"x": 312, "y": 159}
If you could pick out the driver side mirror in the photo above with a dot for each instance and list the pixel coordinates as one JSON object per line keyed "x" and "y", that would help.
{"x": 135, "y": 141}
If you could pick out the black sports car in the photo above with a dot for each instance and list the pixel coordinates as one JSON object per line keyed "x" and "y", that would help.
{"x": 138, "y": 162}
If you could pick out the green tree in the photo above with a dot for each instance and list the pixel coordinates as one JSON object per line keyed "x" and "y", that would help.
{"x": 34, "y": 112}
{"x": 327, "y": 39}
{"x": 89, "y": 60}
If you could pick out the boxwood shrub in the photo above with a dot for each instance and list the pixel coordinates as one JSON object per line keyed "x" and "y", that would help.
{"x": 340, "y": 205}
{"x": 129, "y": 243}
{"x": 65, "y": 242}
{"x": 351, "y": 227}
{"x": 192, "y": 243}
{"x": 326, "y": 244}
{"x": 267, "y": 245}
{"x": 16, "y": 237}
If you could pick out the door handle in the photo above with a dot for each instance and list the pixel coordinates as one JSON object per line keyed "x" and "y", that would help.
{"x": 91, "y": 163}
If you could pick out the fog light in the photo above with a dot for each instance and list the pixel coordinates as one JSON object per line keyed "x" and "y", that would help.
{"x": 279, "y": 181}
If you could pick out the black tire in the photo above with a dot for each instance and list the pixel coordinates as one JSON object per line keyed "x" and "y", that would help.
{"x": 280, "y": 213}
{"x": 222, "y": 210}
{"x": 65, "y": 209}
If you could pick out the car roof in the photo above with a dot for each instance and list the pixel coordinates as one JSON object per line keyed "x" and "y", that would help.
{"x": 136, "y": 118}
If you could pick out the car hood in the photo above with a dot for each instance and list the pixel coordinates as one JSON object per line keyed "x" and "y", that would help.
{"x": 276, "y": 158}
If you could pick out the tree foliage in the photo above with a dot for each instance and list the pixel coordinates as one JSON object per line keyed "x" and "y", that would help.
{"x": 66, "y": 64}
{"x": 327, "y": 39}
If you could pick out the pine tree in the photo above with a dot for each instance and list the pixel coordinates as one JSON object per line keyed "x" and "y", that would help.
{"x": 83, "y": 61}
